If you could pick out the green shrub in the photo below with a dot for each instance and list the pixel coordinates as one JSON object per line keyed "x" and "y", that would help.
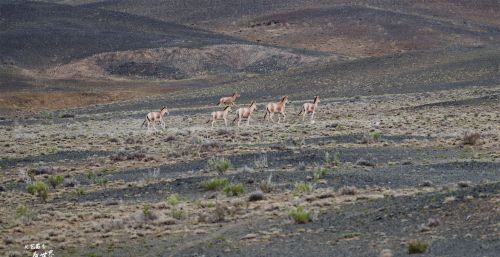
{"x": 417, "y": 246}
{"x": 178, "y": 214}
{"x": 320, "y": 173}
{"x": 148, "y": 214}
{"x": 173, "y": 199}
{"x": 234, "y": 189}
{"x": 214, "y": 183}
{"x": 39, "y": 189}
{"x": 220, "y": 165}
{"x": 302, "y": 188}
{"x": 21, "y": 211}
{"x": 79, "y": 191}
{"x": 376, "y": 136}
{"x": 300, "y": 215}
{"x": 55, "y": 181}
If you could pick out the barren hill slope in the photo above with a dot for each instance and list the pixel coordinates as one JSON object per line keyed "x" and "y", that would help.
{"x": 357, "y": 28}
{"x": 37, "y": 34}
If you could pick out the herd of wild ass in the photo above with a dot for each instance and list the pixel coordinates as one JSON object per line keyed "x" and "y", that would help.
{"x": 242, "y": 113}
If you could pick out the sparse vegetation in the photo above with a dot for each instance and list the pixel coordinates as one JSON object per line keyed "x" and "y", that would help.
{"x": 56, "y": 180}
{"x": 178, "y": 214}
{"x": 348, "y": 190}
{"x": 40, "y": 189}
{"x": 417, "y": 246}
{"x": 260, "y": 163}
{"x": 234, "y": 189}
{"x": 300, "y": 215}
{"x": 219, "y": 164}
{"x": 320, "y": 173}
{"x": 302, "y": 188}
{"x": 471, "y": 138}
{"x": 267, "y": 186}
{"x": 147, "y": 212}
{"x": 174, "y": 199}
{"x": 214, "y": 183}
{"x": 24, "y": 213}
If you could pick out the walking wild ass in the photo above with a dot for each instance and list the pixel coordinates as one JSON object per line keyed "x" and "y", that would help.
{"x": 220, "y": 115}
{"x": 229, "y": 100}
{"x": 153, "y": 117}
{"x": 245, "y": 113}
{"x": 310, "y": 108}
{"x": 278, "y": 107}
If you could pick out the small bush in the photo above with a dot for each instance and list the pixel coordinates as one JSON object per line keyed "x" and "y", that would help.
{"x": 300, "y": 215}
{"x": 39, "y": 189}
{"x": 79, "y": 191}
{"x": 417, "y": 246}
{"x": 261, "y": 162}
{"x": 178, "y": 214}
{"x": 234, "y": 189}
{"x": 56, "y": 180}
{"x": 376, "y": 136}
{"x": 148, "y": 214}
{"x": 303, "y": 188}
{"x": 348, "y": 190}
{"x": 21, "y": 211}
{"x": 214, "y": 183}
{"x": 320, "y": 173}
{"x": 220, "y": 165}
{"x": 173, "y": 199}
{"x": 267, "y": 186}
{"x": 471, "y": 138}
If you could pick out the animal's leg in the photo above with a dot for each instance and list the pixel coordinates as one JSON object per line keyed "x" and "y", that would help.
{"x": 239, "y": 121}
{"x": 248, "y": 121}
{"x": 304, "y": 115}
{"x": 225, "y": 121}
{"x": 271, "y": 114}
{"x": 284, "y": 116}
{"x": 213, "y": 121}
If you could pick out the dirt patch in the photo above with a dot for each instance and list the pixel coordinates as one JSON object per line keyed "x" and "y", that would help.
{"x": 181, "y": 63}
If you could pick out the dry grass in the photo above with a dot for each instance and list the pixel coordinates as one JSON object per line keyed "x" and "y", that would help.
{"x": 471, "y": 138}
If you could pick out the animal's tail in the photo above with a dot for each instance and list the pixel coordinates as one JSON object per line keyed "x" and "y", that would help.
{"x": 302, "y": 110}
{"x": 219, "y": 103}
{"x": 267, "y": 112}
{"x": 235, "y": 118}
{"x": 208, "y": 120}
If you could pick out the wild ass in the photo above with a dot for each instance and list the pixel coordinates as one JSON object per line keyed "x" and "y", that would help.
{"x": 153, "y": 117}
{"x": 218, "y": 115}
{"x": 310, "y": 108}
{"x": 245, "y": 113}
{"x": 229, "y": 100}
{"x": 278, "y": 107}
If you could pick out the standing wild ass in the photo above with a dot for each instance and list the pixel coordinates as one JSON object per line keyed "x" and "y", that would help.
{"x": 229, "y": 100}
{"x": 245, "y": 113}
{"x": 310, "y": 108}
{"x": 219, "y": 115}
{"x": 278, "y": 107}
{"x": 153, "y": 117}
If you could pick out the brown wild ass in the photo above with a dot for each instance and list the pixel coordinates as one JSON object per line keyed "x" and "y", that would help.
{"x": 245, "y": 113}
{"x": 219, "y": 115}
{"x": 153, "y": 117}
{"x": 278, "y": 107}
{"x": 310, "y": 108}
{"x": 229, "y": 100}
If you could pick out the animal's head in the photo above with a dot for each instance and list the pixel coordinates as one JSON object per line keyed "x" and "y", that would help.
{"x": 285, "y": 99}
{"x": 236, "y": 94}
{"x": 164, "y": 110}
{"x": 227, "y": 109}
{"x": 253, "y": 105}
{"x": 316, "y": 99}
